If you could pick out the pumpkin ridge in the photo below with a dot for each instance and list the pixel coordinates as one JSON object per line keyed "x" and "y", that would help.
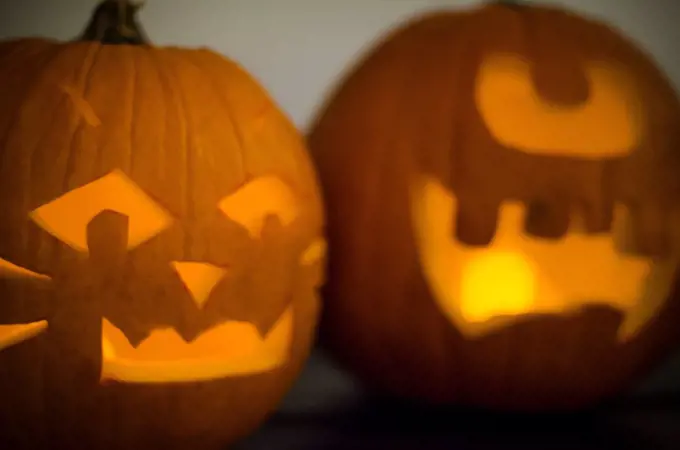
{"x": 238, "y": 131}
{"x": 20, "y": 52}
{"x": 36, "y": 243}
{"x": 31, "y": 88}
{"x": 108, "y": 158}
{"x": 171, "y": 106}
{"x": 135, "y": 94}
{"x": 382, "y": 183}
{"x": 94, "y": 52}
{"x": 228, "y": 108}
{"x": 469, "y": 48}
{"x": 188, "y": 141}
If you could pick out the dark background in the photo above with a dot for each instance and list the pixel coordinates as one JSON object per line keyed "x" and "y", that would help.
{"x": 327, "y": 410}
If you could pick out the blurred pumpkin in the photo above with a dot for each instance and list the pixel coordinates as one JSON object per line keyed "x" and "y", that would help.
{"x": 501, "y": 190}
{"x": 161, "y": 244}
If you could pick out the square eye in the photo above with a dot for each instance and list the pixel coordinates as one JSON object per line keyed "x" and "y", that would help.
{"x": 257, "y": 199}
{"x": 66, "y": 217}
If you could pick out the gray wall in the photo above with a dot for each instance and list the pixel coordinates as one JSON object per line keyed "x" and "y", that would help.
{"x": 298, "y": 48}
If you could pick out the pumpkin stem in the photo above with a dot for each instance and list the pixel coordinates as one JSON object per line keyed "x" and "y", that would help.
{"x": 114, "y": 22}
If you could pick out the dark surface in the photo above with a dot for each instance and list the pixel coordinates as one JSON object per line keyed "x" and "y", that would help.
{"x": 113, "y": 25}
{"x": 326, "y": 410}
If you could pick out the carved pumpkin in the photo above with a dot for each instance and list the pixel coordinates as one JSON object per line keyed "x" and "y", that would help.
{"x": 500, "y": 188}
{"x": 161, "y": 245}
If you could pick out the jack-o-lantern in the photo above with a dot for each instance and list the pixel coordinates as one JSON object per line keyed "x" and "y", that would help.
{"x": 161, "y": 244}
{"x": 499, "y": 185}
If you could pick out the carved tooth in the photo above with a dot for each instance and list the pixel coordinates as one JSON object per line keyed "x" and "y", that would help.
{"x": 597, "y": 217}
{"x": 650, "y": 230}
{"x": 107, "y": 239}
{"x": 476, "y": 222}
{"x": 621, "y": 228}
{"x": 136, "y": 338}
{"x": 548, "y": 219}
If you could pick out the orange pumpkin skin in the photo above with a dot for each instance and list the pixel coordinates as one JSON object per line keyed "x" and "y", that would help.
{"x": 408, "y": 106}
{"x": 188, "y": 128}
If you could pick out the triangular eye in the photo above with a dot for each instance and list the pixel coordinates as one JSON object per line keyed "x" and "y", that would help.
{"x": 67, "y": 217}
{"x": 249, "y": 205}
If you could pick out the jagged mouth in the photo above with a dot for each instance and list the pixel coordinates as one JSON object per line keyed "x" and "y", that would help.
{"x": 230, "y": 349}
{"x": 482, "y": 288}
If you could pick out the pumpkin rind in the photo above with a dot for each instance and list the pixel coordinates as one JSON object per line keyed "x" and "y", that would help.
{"x": 189, "y": 127}
{"x": 409, "y": 106}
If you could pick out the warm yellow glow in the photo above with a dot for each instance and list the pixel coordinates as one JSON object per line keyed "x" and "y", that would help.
{"x": 249, "y": 205}
{"x": 568, "y": 273}
{"x": 199, "y": 278}
{"x": 227, "y": 350}
{"x": 10, "y": 270}
{"x": 314, "y": 252}
{"x": 67, "y": 217}
{"x": 512, "y": 292}
{"x": 609, "y": 124}
{"x": 15, "y": 334}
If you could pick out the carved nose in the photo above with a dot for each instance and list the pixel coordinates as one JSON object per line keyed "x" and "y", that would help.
{"x": 199, "y": 278}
